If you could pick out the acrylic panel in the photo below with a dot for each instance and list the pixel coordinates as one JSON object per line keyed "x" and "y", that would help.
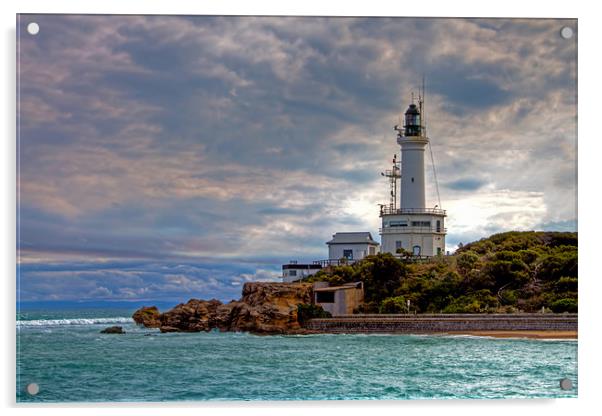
{"x": 295, "y": 208}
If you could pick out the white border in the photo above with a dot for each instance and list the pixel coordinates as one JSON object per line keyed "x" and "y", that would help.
{"x": 589, "y": 159}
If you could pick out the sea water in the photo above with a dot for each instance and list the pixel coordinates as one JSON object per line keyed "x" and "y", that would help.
{"x": 71, "y": 361}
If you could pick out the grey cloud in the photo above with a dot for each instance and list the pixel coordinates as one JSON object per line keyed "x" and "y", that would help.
{"x": 466, "y": 184}
{"x": 143, "y": 281}
{"x": 257, "y": 138}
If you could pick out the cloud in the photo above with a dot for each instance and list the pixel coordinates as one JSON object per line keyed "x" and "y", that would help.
{"x": 251, "y": 140}
{"x": 467, "y": 184}
{"x": 138, "y": 281}
{"x": 465, "y": 87}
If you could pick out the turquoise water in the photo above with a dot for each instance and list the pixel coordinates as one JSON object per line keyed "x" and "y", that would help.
{"x": 64, "y": 353}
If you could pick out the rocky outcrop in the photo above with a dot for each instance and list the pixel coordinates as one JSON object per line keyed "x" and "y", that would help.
{"x": 265, "y": 308}
{"x": 113, "y": 330}
{"x": 149, "y": 316}
{"x": 269, "y": 307}
{"x": 194, "y": 316}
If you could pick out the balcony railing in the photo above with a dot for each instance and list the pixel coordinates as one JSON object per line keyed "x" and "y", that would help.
{"x": 334, "y": 262}
{"x": 410, "y": 230}
{"x": 388, "y": 210}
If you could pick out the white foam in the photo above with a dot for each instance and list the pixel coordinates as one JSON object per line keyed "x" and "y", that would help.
{"x": 75, "y": 321}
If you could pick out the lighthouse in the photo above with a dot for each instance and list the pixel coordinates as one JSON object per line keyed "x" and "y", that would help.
{"x": 409, "y": 225}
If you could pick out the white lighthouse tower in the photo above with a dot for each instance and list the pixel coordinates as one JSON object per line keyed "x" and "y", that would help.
{"x": 412, "y": 226}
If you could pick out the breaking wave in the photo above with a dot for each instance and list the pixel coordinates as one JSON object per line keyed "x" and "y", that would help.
{"x": 76, "y": 321}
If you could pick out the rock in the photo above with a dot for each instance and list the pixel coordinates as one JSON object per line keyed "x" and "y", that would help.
{"x": 194, "y": 316}
{"x": 148, "y": 316}
{"x": 170, "y": 329}
{"x": 270, "y": 307}
{"x": 265, "y": 308}
{"x": 113, "y": 330}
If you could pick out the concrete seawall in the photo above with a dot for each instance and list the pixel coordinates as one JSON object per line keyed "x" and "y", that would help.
{"x": 443, "y": 323}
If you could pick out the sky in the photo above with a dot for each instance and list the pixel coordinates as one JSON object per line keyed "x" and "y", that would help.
{"x": 170, "y": 157}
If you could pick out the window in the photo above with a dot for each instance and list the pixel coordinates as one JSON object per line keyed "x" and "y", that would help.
{"x": 348, "y": 254}
{"x": 416, "y": 250}
{"x": 324, "y": 297}
{"x": 438, "y": 251}
{"x": 398, "y": 223}
{"x": 397, "y": 245}
{"x": 292, "y": 273}
{"x": 438, "y": 226}
{"x": 372, "y": 251}
{"x": 412, "y": 180}
{"x": 421, "y": 223}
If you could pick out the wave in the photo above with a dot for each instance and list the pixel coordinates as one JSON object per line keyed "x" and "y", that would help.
{"x": 75, "y": 321}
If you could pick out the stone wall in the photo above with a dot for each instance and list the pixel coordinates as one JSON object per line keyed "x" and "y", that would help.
{"x": 444, "y": 323}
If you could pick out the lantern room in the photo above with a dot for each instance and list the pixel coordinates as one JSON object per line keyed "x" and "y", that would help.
{"x": 412, "y": 125}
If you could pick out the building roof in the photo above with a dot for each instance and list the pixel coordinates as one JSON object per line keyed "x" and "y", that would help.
{"x": 352, "y": 238}
{"x": 345, "y": 286}
{"x": 294, "y": 266}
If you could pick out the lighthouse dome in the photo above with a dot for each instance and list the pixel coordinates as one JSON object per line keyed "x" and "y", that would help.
{"x": 412, "y": 121}
{"x": 412, "y": 109}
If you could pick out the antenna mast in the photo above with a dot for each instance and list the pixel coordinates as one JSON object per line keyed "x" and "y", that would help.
{"x": 394, "y": 174}
{"x": 435, "y": 175}
{"x": 422, "y": 107}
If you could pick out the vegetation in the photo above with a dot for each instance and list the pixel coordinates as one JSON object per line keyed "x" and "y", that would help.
{"x": 307, "y": 311}
{"x": 507, "y": 272}
{"x": 393, "y": 305}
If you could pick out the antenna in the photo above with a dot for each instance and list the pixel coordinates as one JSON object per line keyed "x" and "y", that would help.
{"x": 435, "y": 175}
{"x": 394, "y": 174}
{"x": 422, "y": 107}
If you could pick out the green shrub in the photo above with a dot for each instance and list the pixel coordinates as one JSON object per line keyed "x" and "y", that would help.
{"x": 560, "y": 263}
{"x": 381, "y": 274}
{"x": 504, "y": 272}
{"x": 507, "y": 256}
{"x": 566, "y": 284}
{"x": 466, "y": 261}
{"x": 480, "y": 301}
{"x": 307, "y": 311}
{"x": 562, "y": 239}
{"x": 393, "y": 305}
{"x": 509, "y": 297}
{"x": 564, "y": 305}
{"x": 528, "y": 256}
{"x": 368, "y": 307}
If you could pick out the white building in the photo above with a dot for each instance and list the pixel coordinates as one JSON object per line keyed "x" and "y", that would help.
{"x": 411, "y": 225}
{"x": 352, "y": 246}
{"x": 338, "y": 300}
{"x": 294, "y": 271}
{"x": 407, "y": 223}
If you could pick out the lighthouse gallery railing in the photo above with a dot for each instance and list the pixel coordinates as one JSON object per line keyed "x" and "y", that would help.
{"x": 409, "y": 230}
{"x": 387, "y": 210}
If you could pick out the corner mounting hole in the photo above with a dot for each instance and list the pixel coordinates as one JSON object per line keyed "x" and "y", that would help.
{"x": 33, "y": 28}
{"x": 32, "y": 389}
{"x": 566, "y": 32}
{"x": 566, "y": 384}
